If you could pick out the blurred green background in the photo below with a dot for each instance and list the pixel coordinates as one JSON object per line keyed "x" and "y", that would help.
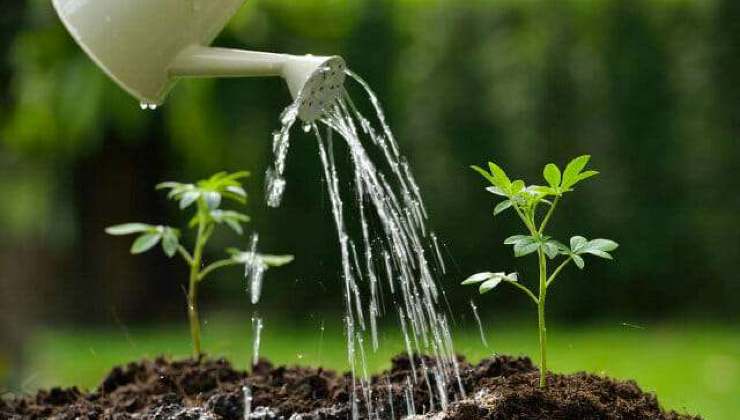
{"x": 650, "y": 88}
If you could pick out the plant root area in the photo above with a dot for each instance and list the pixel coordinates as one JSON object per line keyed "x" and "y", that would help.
{"x": 497, "y": 388}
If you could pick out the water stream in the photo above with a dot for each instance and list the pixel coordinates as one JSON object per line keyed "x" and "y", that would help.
{"x": 385, "y": 246}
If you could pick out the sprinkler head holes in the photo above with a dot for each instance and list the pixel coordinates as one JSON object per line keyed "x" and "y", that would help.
{"x": 321, "y": 89}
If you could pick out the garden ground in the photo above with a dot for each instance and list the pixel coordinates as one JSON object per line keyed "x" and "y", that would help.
{"x": 694, "y": 368}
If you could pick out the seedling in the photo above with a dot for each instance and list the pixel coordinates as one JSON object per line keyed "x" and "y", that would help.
{"x": 206, "y": 197}
{"x": 526, "y": 202}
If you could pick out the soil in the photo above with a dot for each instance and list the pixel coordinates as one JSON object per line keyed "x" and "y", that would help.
{"x": 498, "y": 388}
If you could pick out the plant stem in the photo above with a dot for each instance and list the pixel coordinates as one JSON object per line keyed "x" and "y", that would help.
{"x": 526, "y": 221}
{"x": 541, "y": 319}
{"x": 548, "y": 215}
{"x": 193, "y": 288}
{"x": 215, "y": 266}
{"x": 557, "y": 271}
{"x": 185, "y": 254}
{"x": 525, "y": 290}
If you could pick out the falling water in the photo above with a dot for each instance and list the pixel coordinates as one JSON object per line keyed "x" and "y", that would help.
{"x": 254, "y": 271}
{"x": 257, "y": 326}
{"x": 480, "y": 324}
{"x": 389, "y": 244}
{"x": 247, "y": 392}
{"x": 275, "y": 183}
{"x": 409, "y": 397}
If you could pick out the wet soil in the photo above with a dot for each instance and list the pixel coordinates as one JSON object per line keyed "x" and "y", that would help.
{"x": 498, "y": 388}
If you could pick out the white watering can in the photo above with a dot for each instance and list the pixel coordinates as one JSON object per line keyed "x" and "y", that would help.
{"x": 147, "y": 45}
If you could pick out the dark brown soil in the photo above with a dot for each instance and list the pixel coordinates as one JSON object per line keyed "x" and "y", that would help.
{"x": 497, "y": 388}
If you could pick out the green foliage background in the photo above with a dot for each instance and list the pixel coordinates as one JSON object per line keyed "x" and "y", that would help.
{"x": 649, "y": 88}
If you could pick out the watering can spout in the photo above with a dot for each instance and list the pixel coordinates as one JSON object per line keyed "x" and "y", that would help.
{"x": 313, "y": 81}
{"x": 146, "y": 46}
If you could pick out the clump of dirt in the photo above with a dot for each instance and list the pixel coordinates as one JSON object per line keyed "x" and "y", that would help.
{"x": 498, "y": 388}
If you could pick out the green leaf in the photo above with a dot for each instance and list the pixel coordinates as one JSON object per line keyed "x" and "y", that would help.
{"x": 542, "y": 190}
{"x": 550, "y": 249}
{"x": 170, "y": 242}
{"x": 585, "y": 175}
{"x": 574, "y": 168}
{"x": 484, "y": 173}
{"x": 235, "y": 189}
{"x": 501, "y": 179}
{"x": 579, "y": 261}
{"x": 478, "y": 278}
{"x": 495, "y": 280}
{"x": 552, "y": 175}
{"x": 167, "y": 185}
{"x": 489, "y": 285}
{"x": 277, "y": 260}
{"x": 598, "y": 253}
{"x": 560, "y": 246}
{"x": 237, "y": 175}
{"x": 193, "y": 223}
{"x": 145, "y": 242}
{"x": 577, "y": 243}
{"x": 212, "y": 198}
{"x": 499, "y": 173}
{"x": 522, "y": 249}
{"x": 517, "y": 186}
{"x": 232, "y": 218}
{"x": 188, "y": 199}
{"x": 128, "y": 229}
{"x": 497, "y": 191}
{"x": 243, "y": 257}
{"x": 512, "y": 240}
{"x": 235, "y": 226}
{"x": 606, "y": 245}
{"x": 598, "y": 247}
{"x": 502, "y": 206}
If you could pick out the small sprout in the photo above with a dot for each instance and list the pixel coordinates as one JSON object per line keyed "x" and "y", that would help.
{"x": 206, "y": 197}
{"x": 526, "y": 201}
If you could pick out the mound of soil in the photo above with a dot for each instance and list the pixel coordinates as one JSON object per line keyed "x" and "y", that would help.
{"x": 498, "y": 388}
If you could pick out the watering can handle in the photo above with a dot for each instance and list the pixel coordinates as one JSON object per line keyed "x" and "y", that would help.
{"x": 199, "y": 61}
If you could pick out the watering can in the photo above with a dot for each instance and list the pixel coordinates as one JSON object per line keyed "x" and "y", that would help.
{"x": 145, "y": 46}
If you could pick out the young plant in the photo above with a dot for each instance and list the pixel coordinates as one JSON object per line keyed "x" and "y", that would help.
{"x": 206, "y": 198}
{"x": 526, "y": 202}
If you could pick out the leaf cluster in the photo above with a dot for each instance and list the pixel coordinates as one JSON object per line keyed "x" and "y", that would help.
{"x": 149, "y": 237}
{"x": 526, "y": 200}
{"x": 208, "y": 195}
